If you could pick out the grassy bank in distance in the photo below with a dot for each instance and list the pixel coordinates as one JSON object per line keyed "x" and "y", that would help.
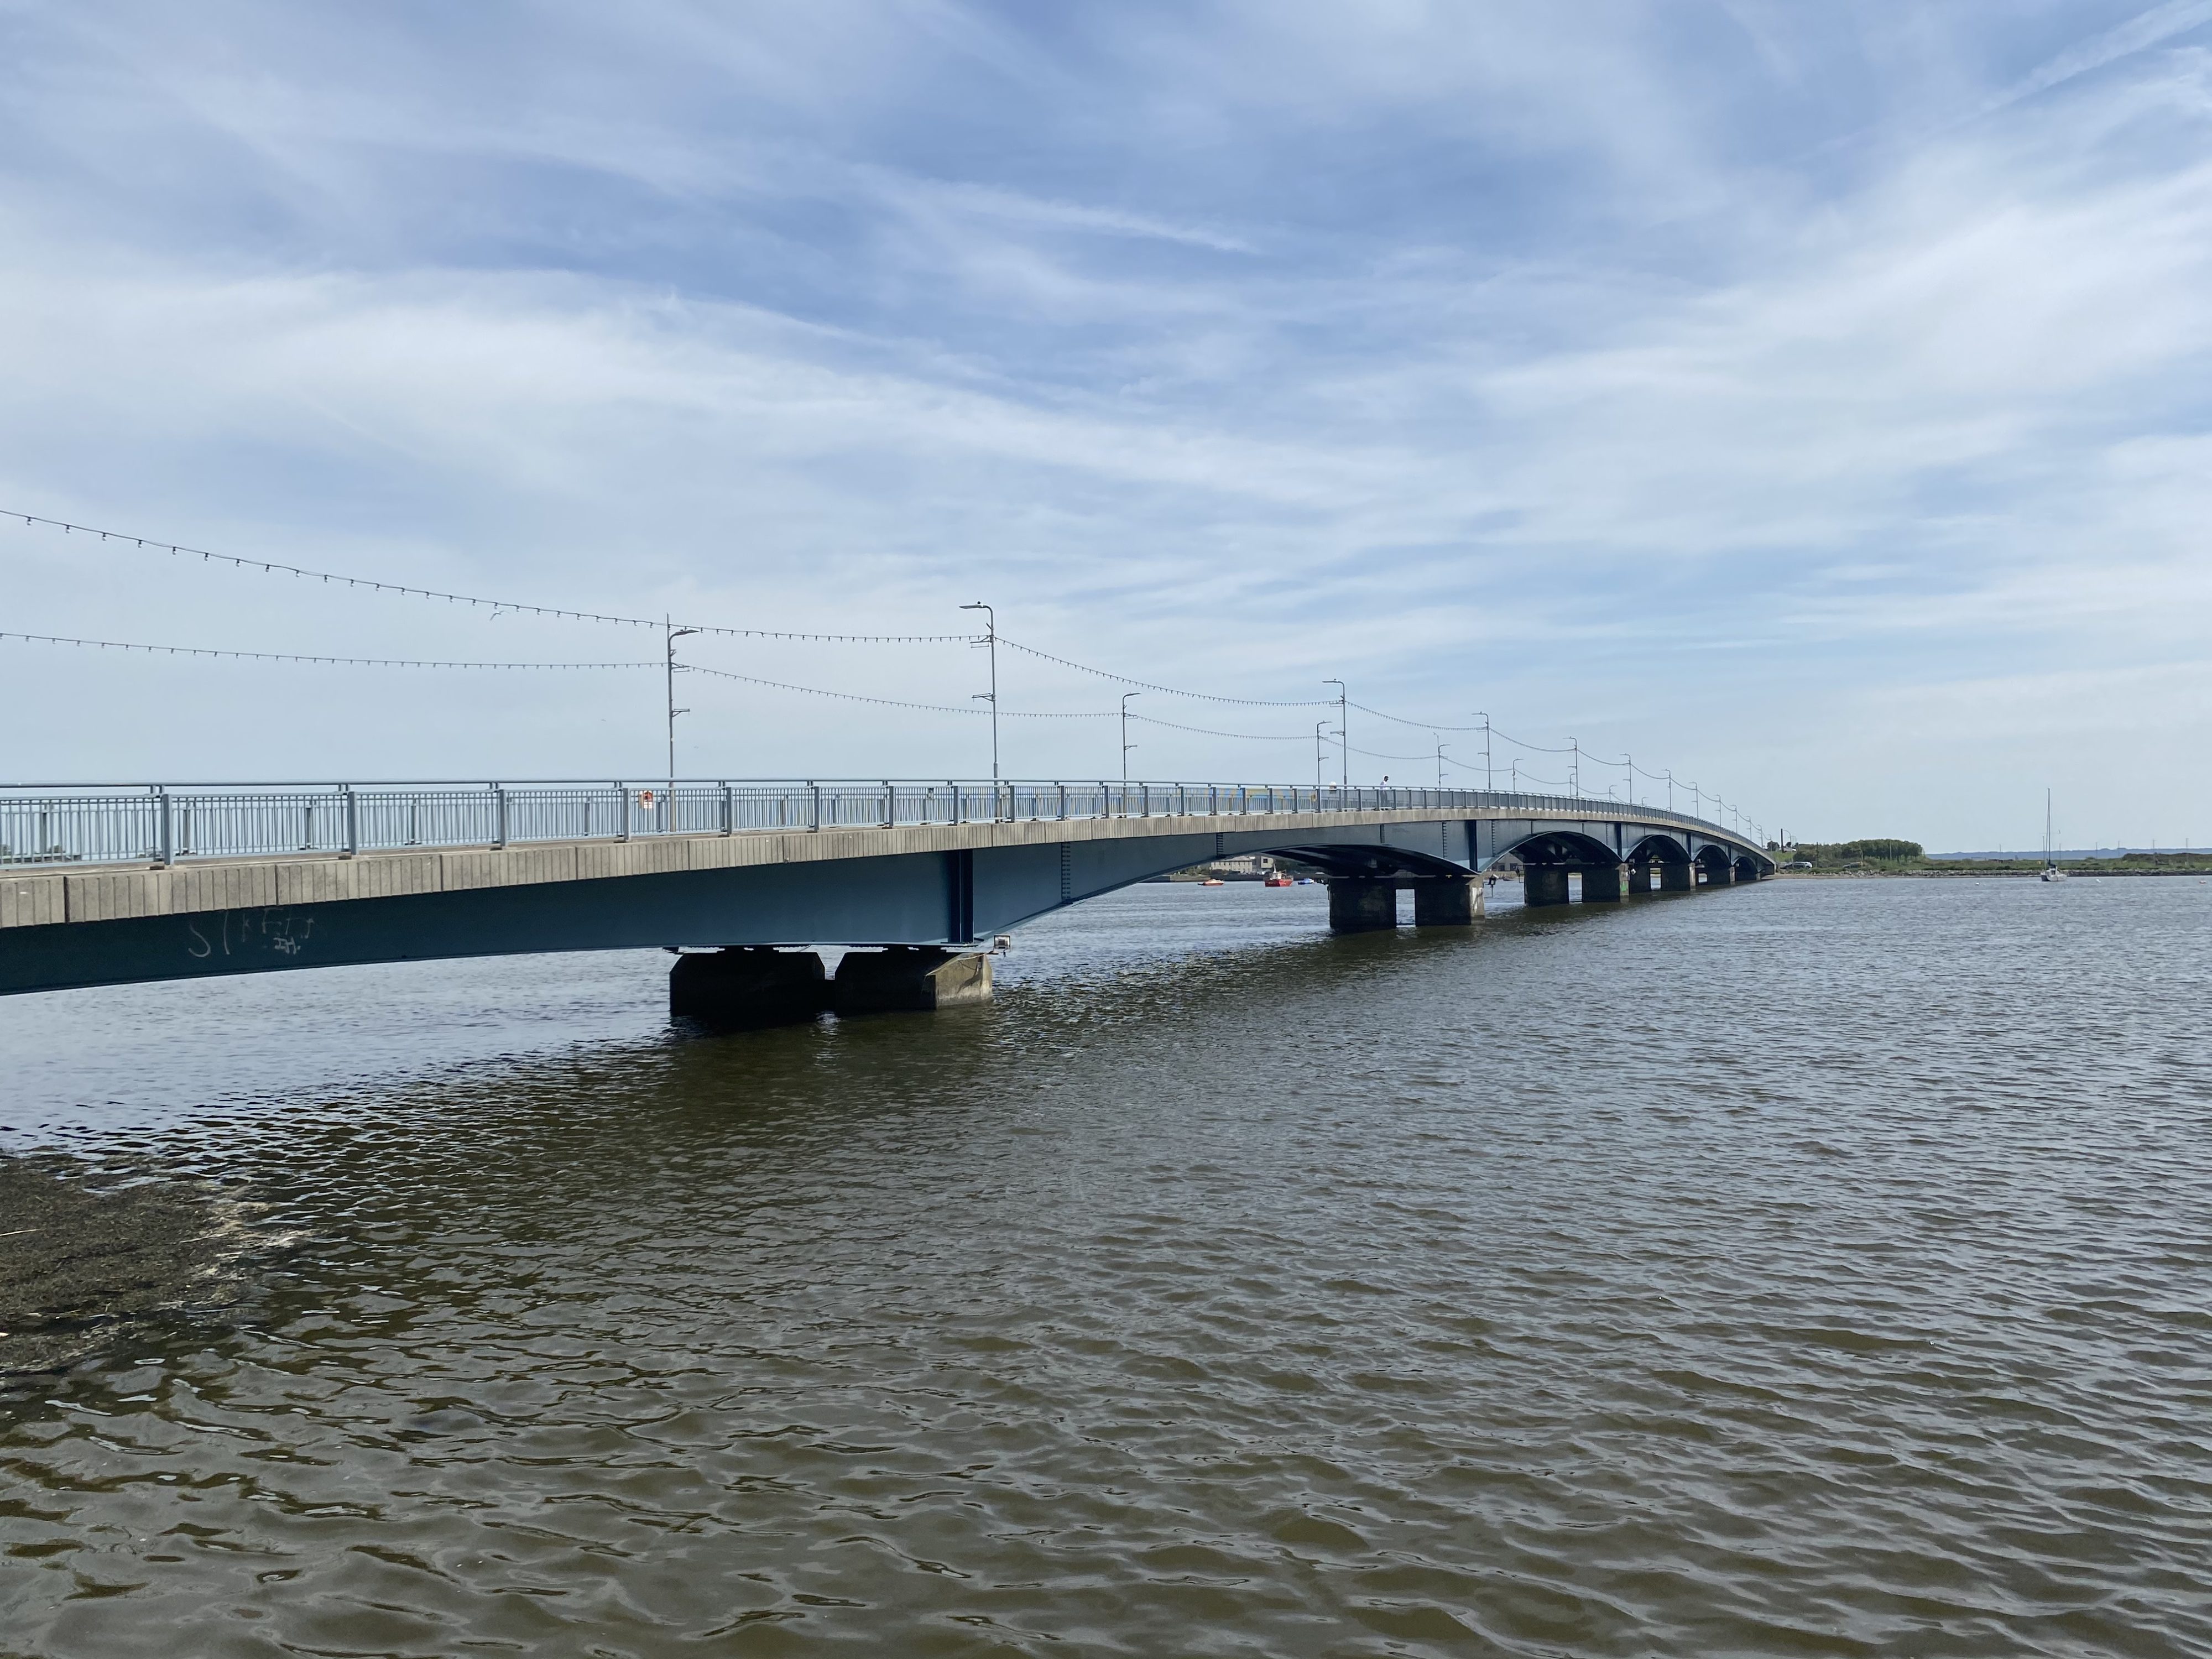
{"x": 1881, "y": 857}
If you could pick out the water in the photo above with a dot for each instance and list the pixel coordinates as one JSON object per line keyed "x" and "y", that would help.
{"x": 1821, "y": 1268}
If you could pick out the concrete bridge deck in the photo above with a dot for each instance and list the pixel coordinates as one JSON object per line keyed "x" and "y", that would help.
{"x": 131, "y": 900}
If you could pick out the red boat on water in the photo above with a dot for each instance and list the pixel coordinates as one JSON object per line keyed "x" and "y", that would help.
{"x": 1279, "y": 879}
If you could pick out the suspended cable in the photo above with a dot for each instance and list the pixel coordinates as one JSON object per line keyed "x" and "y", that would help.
{"x": 1426, "y": 726}
{"x": 370, "y": 584}
{"x": 896, "y": 702}
{"x": 301, "y": 656}
{"x": 1373, "y": 754}
{"x": 1536, "y": 748}
{"x": 1208, "y": 731}
{"x": 1168, "y": 690}
{"x": 1005, "y": 714}
{"x": 498, "y": 607}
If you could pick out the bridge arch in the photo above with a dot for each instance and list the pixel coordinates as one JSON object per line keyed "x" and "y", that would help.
{"x": 1551, "y": 849}
{"x": 1355, "y": 861}
{"x": 1659, "y": 847}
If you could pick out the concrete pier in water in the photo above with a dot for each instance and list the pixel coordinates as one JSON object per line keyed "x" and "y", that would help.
{"x": 746, "y": 988}
{"x": 1604, "y": 884}
{"x": 1448, "y": 902}
{"x": 1360, "y": 905}
{"x": 909, "y": 978}
{"x": 1543, "y": 883}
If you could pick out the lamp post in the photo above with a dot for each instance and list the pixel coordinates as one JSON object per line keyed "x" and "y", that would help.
{"x": 1126, "y": 744}
{"x": 674, "y": 634}
{"x": 1670, "y": 788}
{"x": 1320, "y": 726}
{"x": 1343, "y": 725}
{"x": 991, "y": 641}
{"x": 1440, "y": 763}
{"x": 1487, "y": 786}
{"x": 1631, "y": 777}
{"x": 1575, "y": 777}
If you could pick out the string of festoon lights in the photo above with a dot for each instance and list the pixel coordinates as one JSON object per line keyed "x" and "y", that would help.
{"x": 672, "y": 628}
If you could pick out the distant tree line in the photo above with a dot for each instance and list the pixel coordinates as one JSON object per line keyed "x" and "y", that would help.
{"x": 1882, "y": 850}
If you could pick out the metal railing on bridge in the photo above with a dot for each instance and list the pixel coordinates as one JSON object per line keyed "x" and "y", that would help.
{"x": 163, "y": 823}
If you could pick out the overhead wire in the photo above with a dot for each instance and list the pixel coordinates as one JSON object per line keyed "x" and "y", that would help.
{"x": 1208, "y": 731}
{"x": 1004, "y": 714}
{"x": 299, "y": 656}
{"x": 897, "y": 702}
{"x": 269, "y": 567}
{"x": 498, "y": 607}
{"x": 1168, "y": 690}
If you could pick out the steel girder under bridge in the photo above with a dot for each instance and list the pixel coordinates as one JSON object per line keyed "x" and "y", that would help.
{"x": 111, "y": 885}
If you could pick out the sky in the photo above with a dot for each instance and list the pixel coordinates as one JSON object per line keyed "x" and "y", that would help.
{"x": 1810, "y": 402}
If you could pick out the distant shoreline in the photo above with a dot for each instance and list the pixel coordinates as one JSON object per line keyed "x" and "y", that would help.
{"x": 1983, "y": 875}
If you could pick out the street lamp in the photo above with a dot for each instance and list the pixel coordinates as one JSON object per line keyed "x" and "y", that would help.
{"x": 1440, "y": 763}
{"x": 991, "y": 641}
{"x": 1487, "y": 786}
{"x": 1343, "y": 725}
{"x": 1126, "y": 744}
{"x": 674, "y": 634}
{"x": 1320, "y": 726}
{"x": 1575, "y": 777}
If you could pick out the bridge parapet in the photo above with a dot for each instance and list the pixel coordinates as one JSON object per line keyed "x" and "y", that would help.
{"x": 166, "y": 824}
{"x": 113, "y": 886}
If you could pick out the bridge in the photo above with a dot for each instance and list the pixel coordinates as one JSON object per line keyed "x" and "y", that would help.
{"x": 124, "y": 883}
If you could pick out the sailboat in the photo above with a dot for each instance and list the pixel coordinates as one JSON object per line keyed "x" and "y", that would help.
{"x": 2051, "y": 870}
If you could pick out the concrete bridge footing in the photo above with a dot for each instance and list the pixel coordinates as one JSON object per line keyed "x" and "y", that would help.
{"x": 1604, "y": 884}
{"x": 1448, "y": 902}
{"x": 1358, "y": 904}
{"x": 749, "y": 986}
{"x": 1639, "y": 877}
{"x": 1543, "y": 883}
{"x": 905, "y": 978}
{"x": 1679, "y": 877}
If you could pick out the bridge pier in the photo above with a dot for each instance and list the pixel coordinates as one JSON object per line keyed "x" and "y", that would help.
{"x": 1544, "y": 884}
{"x": 1602, "y": 883}
{"x": 1719, "y": 875}
{"x": 1677, "y": 877}
{"x": 905, "y": 978}
{"x": 1448, "y": 902}
{"x": 1360, "y": 904}
{"x": 1639, "y": 877}
{"x": 748, "y": 986}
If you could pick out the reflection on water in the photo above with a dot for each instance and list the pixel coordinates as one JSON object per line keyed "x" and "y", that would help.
{"x": 1818, "y": 1267}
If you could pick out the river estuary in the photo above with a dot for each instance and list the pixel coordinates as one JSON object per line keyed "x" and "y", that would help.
{"x": 1819, "y": 1267}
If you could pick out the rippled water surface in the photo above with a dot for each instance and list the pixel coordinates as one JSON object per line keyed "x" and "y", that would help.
{"x": 1819, "y": 1267}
